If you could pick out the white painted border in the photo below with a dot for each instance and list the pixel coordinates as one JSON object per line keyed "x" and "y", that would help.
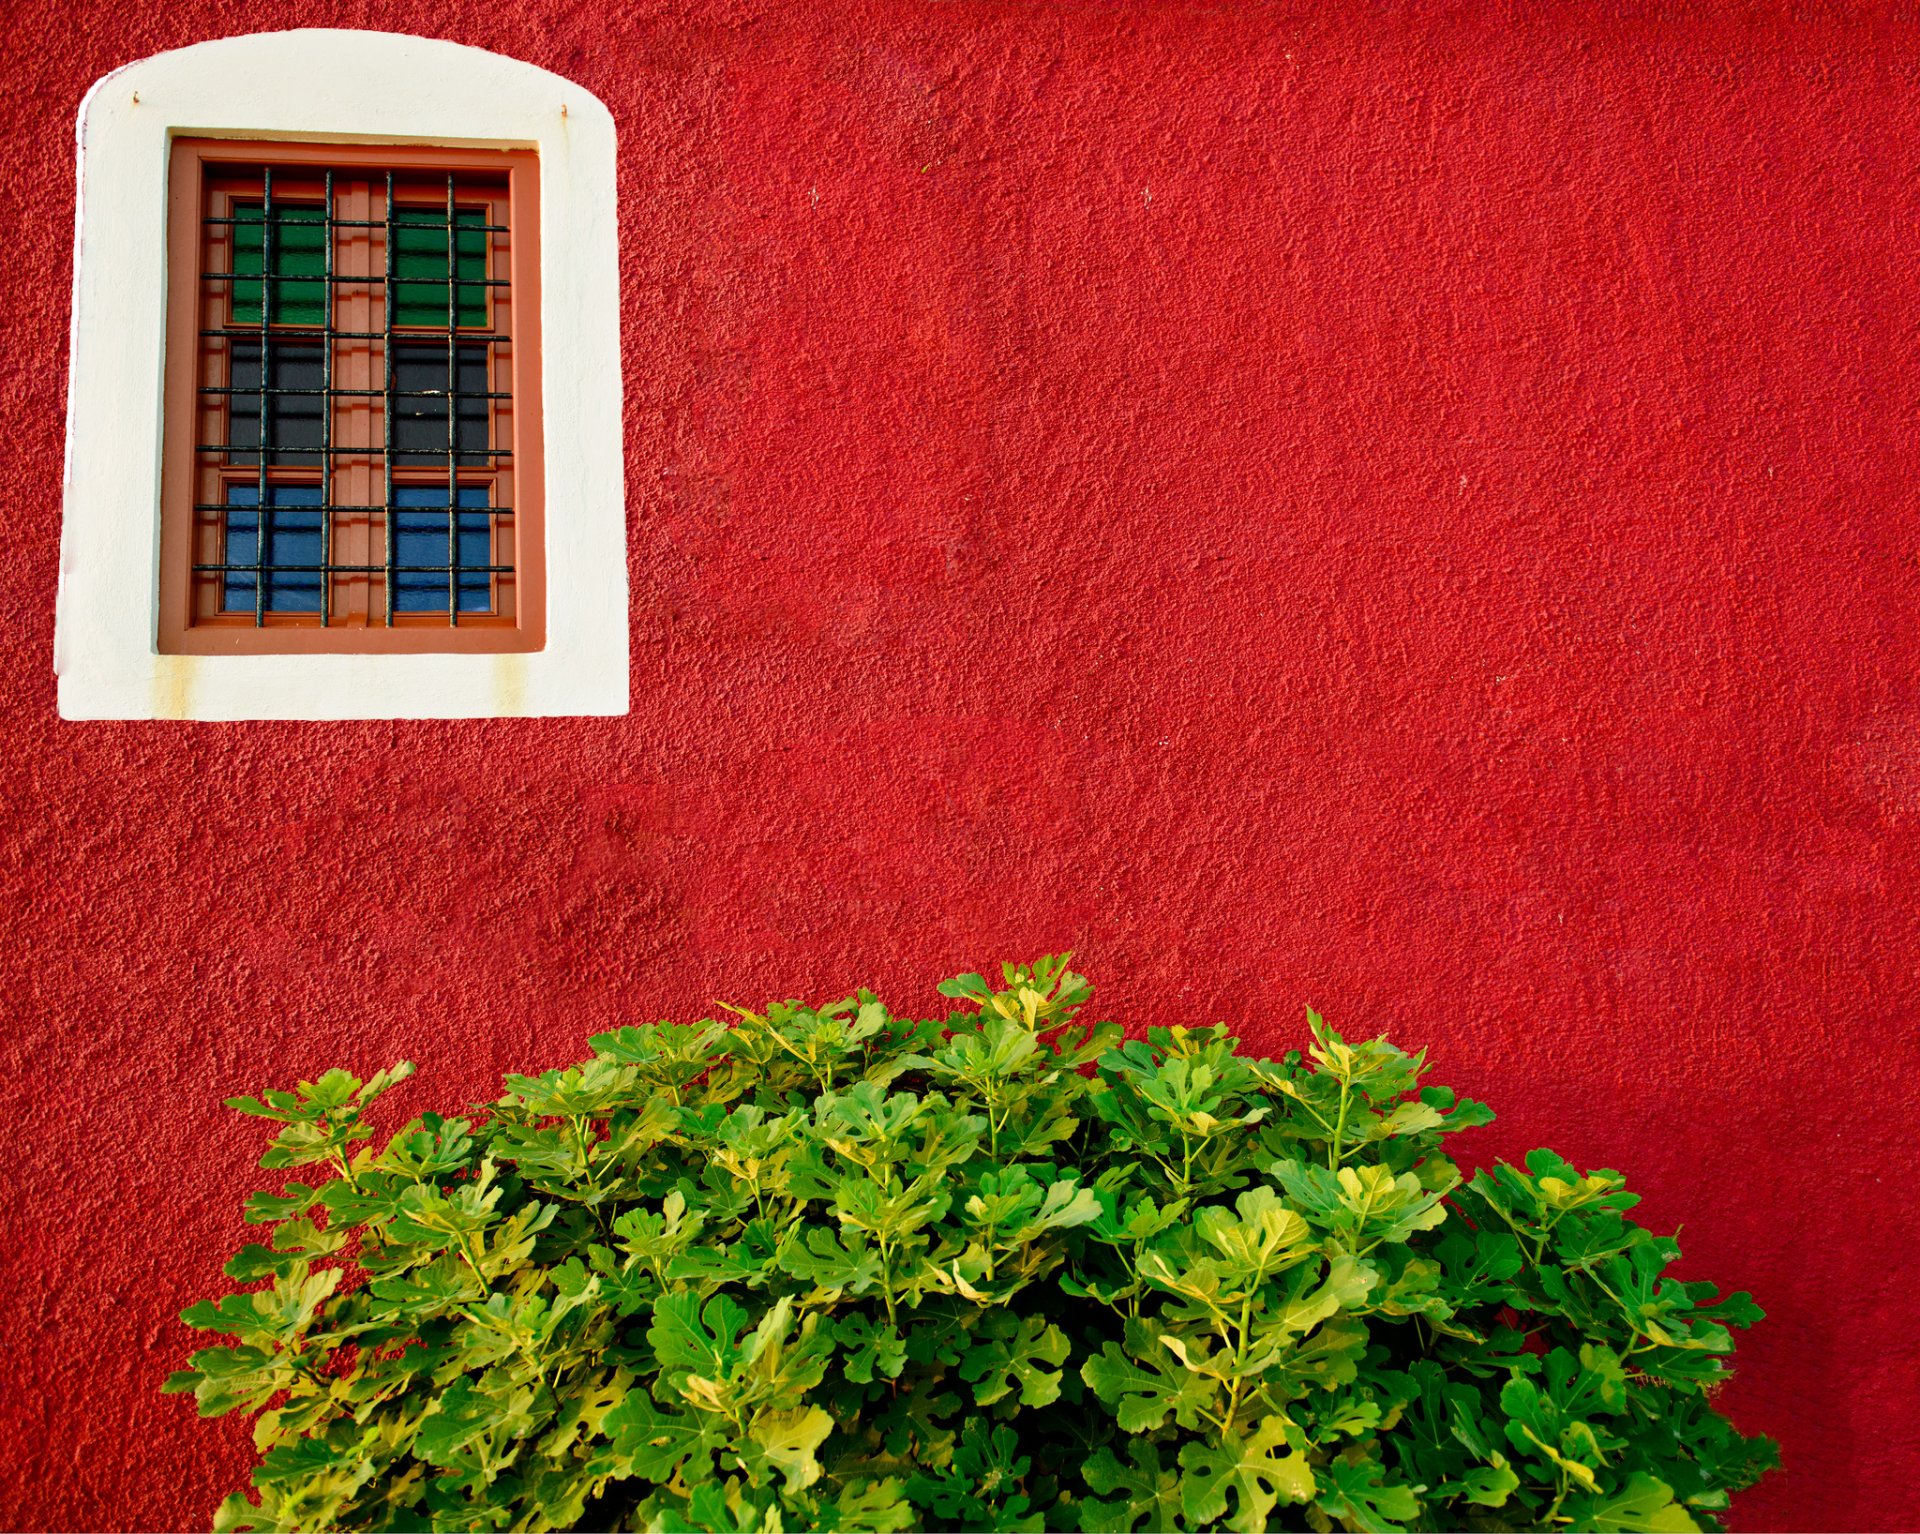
{"x": 352, "y": 86}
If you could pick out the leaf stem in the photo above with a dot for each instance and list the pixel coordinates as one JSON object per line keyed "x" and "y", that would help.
{"x": 1335, "y": 1150}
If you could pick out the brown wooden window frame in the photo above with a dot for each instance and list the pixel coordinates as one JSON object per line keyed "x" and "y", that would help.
{"x": 355, "y": 465}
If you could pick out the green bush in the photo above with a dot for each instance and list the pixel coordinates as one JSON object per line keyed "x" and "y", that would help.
{"x": 830, "y": 1268}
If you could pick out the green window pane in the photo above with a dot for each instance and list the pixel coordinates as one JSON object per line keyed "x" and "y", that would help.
{"x": 420, "y": 266}
{"x": 299, "y": 263}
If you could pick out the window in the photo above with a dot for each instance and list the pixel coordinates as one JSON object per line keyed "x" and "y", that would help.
{"x": 353, "y": 401}
{"x": 376, "y": 328}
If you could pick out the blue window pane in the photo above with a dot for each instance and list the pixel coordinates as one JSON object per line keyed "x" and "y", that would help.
{"x": 420, "y": 550}
{"x": 294, "y": 545}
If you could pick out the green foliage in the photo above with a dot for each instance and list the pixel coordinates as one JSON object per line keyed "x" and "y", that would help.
{"x": 831, "y": 1268}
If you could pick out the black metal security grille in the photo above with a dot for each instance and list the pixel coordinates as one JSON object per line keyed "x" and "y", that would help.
{"x": 355, "y": 385}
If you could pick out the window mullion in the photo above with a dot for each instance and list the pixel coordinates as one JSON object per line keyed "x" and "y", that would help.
{"x": 387, "y": 295}
{"x": 453, "y": 417}
{"x": 327, "y": 343}
{"x": 263, "y": 515}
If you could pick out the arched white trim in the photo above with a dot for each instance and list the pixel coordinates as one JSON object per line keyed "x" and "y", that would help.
{"x": 352, "y": 87}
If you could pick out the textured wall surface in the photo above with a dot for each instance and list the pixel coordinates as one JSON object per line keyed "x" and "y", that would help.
{"x": 1406, "y": 514}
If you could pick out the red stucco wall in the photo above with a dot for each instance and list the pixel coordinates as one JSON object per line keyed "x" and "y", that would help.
{"x": 1410, "y": 515}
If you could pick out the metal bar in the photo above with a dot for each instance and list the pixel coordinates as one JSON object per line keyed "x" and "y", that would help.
{"x": 294, "y": 453}
{"x": 340, "y": 508}
{"x": 354, "y": 393}
{"x": 326, "y": 413}
{"x": 348, "y": 335}
{"x": 350, "y": 223}
{"x": 261, "y": 514}
{"x": 372, "y": 282}
{"x": 489, "y": 266}
{"x": 506, "y": 266}
{"x": 339, "y": 569}
{"x": 213, "y": 220}
{"x": 453, "y": 413}
{"x": 386, "y": 409}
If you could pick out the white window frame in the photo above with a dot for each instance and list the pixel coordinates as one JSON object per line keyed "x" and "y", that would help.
{"x": 351, "y": 87}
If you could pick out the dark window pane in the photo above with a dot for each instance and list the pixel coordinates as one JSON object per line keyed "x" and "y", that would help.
{"x": 294, "y": 538}
{"x": 299, "y": 263}
{"x": 420, "y": 398}
{"x": 296, "y": 402}
{"x": 420, "y": 539}
{"x": 420, "y": 266}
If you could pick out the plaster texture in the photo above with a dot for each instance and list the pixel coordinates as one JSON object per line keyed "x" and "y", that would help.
{"x": 1399, "y": 510}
